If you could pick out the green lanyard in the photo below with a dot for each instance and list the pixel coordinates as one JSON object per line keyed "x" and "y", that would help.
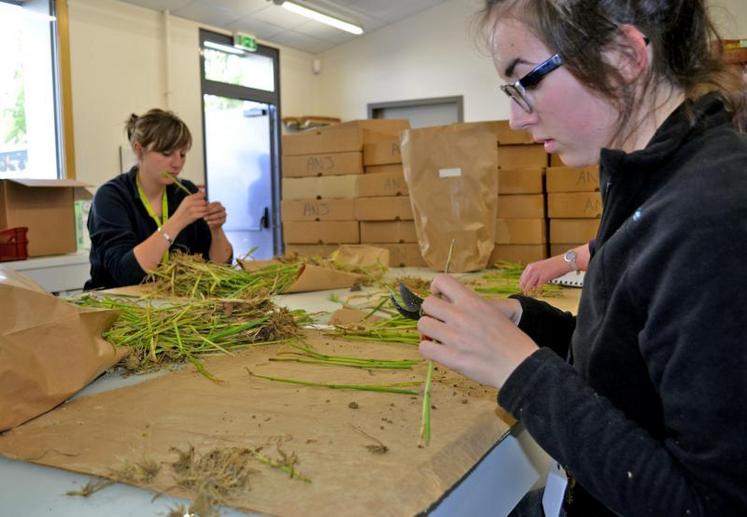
{"x": 152, "y": 213}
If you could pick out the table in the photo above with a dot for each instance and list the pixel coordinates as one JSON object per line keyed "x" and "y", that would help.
{"x": 493, "y": 487}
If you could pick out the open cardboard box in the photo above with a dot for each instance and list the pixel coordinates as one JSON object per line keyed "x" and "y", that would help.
{"x": 46, "y": 208}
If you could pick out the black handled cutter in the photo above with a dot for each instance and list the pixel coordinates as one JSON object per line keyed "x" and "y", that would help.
{"x": 411, "y": 303}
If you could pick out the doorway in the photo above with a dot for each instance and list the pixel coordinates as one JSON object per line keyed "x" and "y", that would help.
{"x": 241, "y": 113}
{"x": 437, "y": 111}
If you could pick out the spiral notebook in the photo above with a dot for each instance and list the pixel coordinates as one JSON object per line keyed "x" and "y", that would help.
{"x": 571, "y": 279}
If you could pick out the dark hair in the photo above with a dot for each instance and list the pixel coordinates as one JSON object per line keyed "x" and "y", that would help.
{"x": 680, "y": 32}
{"x": 158, "y": 130}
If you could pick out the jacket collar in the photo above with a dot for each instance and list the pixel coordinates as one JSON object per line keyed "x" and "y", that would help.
{"x": 627, "y": 179}
{"x": 689, "y": 118}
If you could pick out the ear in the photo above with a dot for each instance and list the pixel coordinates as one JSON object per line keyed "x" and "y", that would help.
{"x": 138, "y": 149}
{"x": 630, "y": 53}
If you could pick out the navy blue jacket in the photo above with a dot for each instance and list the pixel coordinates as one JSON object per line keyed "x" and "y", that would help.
{"x": 650, "y": 418}
{"x": 118, "y": 221}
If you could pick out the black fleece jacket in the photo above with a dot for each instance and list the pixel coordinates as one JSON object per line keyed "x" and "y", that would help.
{"x": 651, "y": 417}
{"x": 118, "y": 221}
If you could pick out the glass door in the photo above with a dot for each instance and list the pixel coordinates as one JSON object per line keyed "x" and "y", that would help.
{"x": 240, "y": 101}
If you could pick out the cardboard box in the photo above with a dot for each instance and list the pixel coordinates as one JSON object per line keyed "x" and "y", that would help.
{"x": 384, "y": 169}
{"x": 320, "y": 187}
{"x": 404, "y": 255}
{"x": 572, "y": 179}
{"x": 382, "y": 153}
{"x": 520, "y": 231}
{"x": 521, "y": 206}
{"x": 521, "y": 157}
{"x": 521, "y": 181}
{"x": 571, "y": 205}
{"x": 348, "y": 136}
{"x": 373, "y": 232}
{"x": 389, "y": 208}
{"x": 46, "y": 208}
{"x": 328, "y": 164}
{"x": 560, "y": 249}
{"x": 386, "y": 184}
{"x": 317, "y": 210}
{"x": 321, "y": 232}
{"x": 310, "y": 250}
{"x": 555, "y": 161}
{"x": 573, "y": 230}
{"x": 507, "y": 136}
{"x": 521, "y": 253}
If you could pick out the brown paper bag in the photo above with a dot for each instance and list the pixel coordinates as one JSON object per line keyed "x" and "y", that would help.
{"x": 49, "y": 349}
{"x": 360, "y": 255}
{"x": 310, "y": 277}
{"x": 451, "y": 173}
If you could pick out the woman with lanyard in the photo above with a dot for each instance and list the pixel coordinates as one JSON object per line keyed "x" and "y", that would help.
{"x": 137, "y": 217}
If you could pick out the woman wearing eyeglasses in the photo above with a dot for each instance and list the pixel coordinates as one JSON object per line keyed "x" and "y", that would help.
{"x": 643, "y": 397}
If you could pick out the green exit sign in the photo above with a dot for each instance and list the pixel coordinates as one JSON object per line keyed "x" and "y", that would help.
{"x": 244, "y": 41}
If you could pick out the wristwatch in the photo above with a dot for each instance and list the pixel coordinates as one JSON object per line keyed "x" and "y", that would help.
{"x": 166, "y": 236}
{"x": 570, "y": 259}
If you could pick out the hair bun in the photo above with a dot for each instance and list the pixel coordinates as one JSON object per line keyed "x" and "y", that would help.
{"x": 130, "y": 126}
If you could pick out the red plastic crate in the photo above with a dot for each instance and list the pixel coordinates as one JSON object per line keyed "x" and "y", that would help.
{"x": 14, "y": 244}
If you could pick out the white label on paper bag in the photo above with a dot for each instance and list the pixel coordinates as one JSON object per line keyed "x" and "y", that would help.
{"x": 450, "y": 173}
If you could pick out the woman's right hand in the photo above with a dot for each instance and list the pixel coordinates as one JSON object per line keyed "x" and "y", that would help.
{"x": 191, "y": 208}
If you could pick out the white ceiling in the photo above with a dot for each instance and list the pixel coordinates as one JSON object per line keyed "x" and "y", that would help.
{"x": 272, "y": 23}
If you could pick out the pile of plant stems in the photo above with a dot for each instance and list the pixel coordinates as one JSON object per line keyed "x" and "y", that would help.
{"x": 191, "y": 276}
{"x": 395, "y": 329}
{"x": 177, "y": 332}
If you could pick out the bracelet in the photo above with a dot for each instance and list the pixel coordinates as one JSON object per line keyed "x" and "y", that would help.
{"x": 166, "y": 236}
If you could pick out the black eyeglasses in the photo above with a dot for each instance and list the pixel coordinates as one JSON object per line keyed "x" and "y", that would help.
{"x": 518, "y": 90}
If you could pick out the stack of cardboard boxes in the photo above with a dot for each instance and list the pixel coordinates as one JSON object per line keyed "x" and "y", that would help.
{"x": 383, "y": 205}
{"x": 521, "y": 231}
{"x": 344, "y": 184}
{"x": 574, "y": 206}
{"x": 321, "y": 170}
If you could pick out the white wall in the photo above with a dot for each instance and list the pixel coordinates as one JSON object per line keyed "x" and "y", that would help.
{"x": 432, "y": 54}
{"x": 119, "y": 67}
{"x": 731, "y": 17}
{"x": 435, "y": 54}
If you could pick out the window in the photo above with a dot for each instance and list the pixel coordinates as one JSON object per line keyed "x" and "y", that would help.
{"x": 29, "y": 115}
{"x": 249, "y": 70}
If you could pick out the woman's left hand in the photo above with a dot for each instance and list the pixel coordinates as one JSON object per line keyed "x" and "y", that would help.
{"x": 471, "y": 335}
{"x": 216, "y": 215}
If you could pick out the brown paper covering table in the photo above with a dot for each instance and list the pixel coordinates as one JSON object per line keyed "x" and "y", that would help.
{"x": 94, "y": 434}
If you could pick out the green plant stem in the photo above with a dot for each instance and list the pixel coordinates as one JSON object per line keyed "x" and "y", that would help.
{"x": 384, "y": 388}
{"x": 177, "y": 182}
{"x": 306, "y": 354}
{"x": 425, "y": 424}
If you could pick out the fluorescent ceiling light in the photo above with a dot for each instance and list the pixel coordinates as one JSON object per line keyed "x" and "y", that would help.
{"x": 224, "y": 48}
{"x": 323, "y": 18}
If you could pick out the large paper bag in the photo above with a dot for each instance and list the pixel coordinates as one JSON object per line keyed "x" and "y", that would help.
{"x": 452, "y": 175}
{"x": 49, "y": 349}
